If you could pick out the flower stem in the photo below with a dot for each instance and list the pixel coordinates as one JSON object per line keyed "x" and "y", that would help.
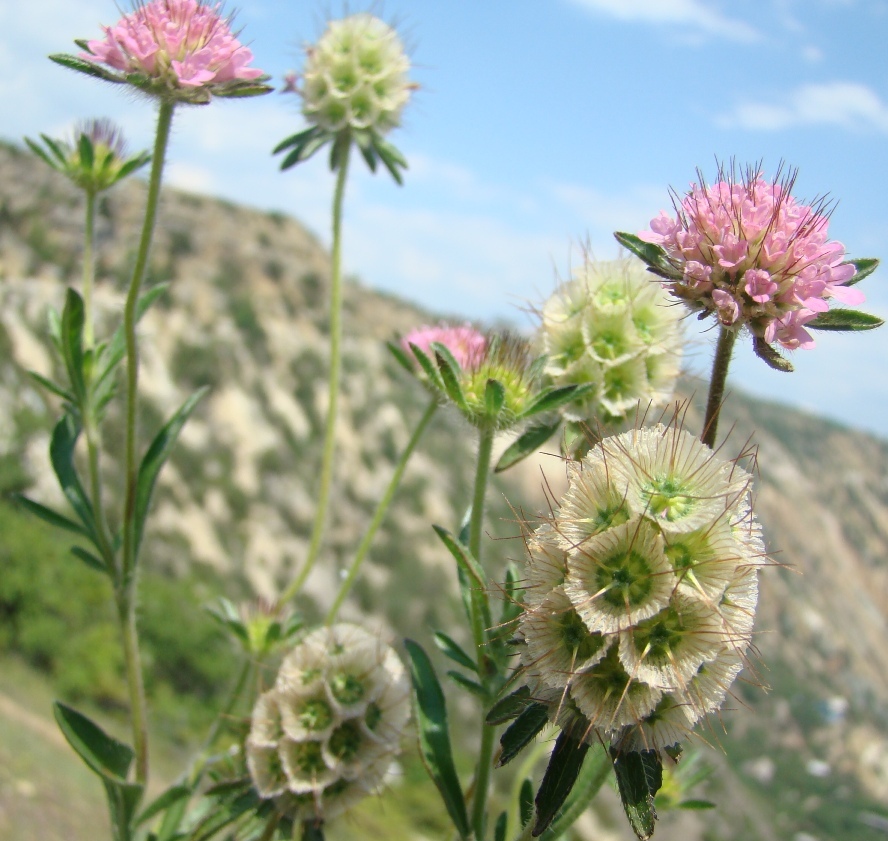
{"x": 479, "y": 611}
{"x": 380, "y": 513}
{"x": 126, "y": 612}
{"x": 89, "y": 269}
{"x": 720, "y": 365}
{"x": 126, "y": 583}
{"x": 320, "y": 521}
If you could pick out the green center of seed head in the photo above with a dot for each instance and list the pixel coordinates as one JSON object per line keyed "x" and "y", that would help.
{"x": 577, "y": 638}
{"x": 315, "y": 714}
{"x": 667, "y": 498}
{"x": 660, "y": 634}
{"x": 346, "y": 688}
{"x": 308, "y": 757}
{"x": 625, "y": 578}
{"x": 373, "y": 716}
{"x": 345, "y": 741}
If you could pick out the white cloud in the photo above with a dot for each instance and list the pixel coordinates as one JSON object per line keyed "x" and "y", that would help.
{"x": 846, "y": 104}
{"x": 701, "y": 16}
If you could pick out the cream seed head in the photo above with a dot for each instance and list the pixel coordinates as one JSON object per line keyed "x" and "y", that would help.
{"x": 603, "y": 328}
{"x": 643, "y": 587}
{"x": 355, "y": 76}
{"x": 325, "y": 735}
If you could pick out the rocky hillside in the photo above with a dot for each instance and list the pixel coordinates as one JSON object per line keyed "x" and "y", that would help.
{"x": 245, "y": 314}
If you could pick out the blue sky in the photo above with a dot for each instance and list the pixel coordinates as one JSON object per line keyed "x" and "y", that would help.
{"x": 539, "y": 126}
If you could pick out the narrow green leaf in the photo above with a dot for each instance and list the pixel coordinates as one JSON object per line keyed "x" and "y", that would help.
{"x": 293, "y": 140}
{"x": 468, "y": 684}
{"x": 402, "y": 358}
{"x": 391, "y": 158}
{"x": 50, "y": 516}
{"x": 561, "y": 774}
{"x": 156, "y": 457}
{"x": 89, "y": 559}
{"x": 696, "y": 804}
{"x": 494, "y": 398}
{"x": 105, "y": 755}
{"x": 242, "y": 90}
{"x": 434, "y": 736}
{"x": 163, "y": 802}
{"x": 123, "y": 801}
{"x": 114, "y": 351}
{"x": 770, "y": 356}
{"x": 462, "y": 555}
{"x": 845, "y": 320}
{"x": 451, "y": 648}
{"x": 650, "y": 253}
{"x": 555, "y": 398}
{"x": 61, "y": 455}
{"x": 502, "y": 824}
{"x": 513, "y": 596}
{"x": 87, "y": 153}
{"x": 864, "y": 267}
{"x": 132, "y": 165}
{"x": 428, "y": 367}
{"x": 49, "y": 385}
{"x": 639, "y": 777}
{"x": 527, "y": 444}
{"x": 449, "y": 370}
{"x": 525, "y": 801}
{"x": 72, "y": 342}
{"x": 522, "y": 731}
{"x": 55, "y": 147}
{"x": 87, "y": 67}
{"x": 40, "y": 153}
{"x": 509, "y": 707}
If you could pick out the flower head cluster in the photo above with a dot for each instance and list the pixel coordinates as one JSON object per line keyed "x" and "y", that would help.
{"x": 325, "y": 735}
{"x": 611, "y": 327}
{"x": 495, "y": 380}
{"x": 356, "y": 76}
{"x": 642, "y": 589}
{"x": 176, "y": 49}
{"x": 467, "y": 344}
{"x": 748, "y": 252}
{"x": 94, "y": 159}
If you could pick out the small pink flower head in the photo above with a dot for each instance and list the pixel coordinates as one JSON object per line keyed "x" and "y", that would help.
{"x": 182, "y": 50}
{"x": 467, "y": 345}
{"x": 746, "y": 251}
{"x": 94, "y": 158}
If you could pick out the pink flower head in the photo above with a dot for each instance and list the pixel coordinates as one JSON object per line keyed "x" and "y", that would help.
{"x": 467, "y": 345}
{"x": 181, "y": 49}
{"x": 745, "y": 250}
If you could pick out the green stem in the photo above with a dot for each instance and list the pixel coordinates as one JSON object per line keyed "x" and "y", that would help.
{"x": 720, "y": 365}
{"x": 91, "y": 432}
{"x": 126, "y": 584}
{"x": 592, "y": 775}
{"x": 379, "y": 514}
{"x": 320, "y": 521}
{"x": 89, "y": 269}
{"x": 126, "y": 611}
{"x": 164, "y": 122}
{"x": 527, "y": 832}
{"x": 197, "y": 764}
{"x": 479, "y": 610}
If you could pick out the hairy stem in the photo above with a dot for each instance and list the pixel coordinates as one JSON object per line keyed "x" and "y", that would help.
{"x": 320, "y": 522}
{"x": 720, "y": 365}
{"x": 126, "y": 584}
{"x": 379, "y": 514}
{"x": 479, "y": 610}
{"x": 89, "y": 269}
